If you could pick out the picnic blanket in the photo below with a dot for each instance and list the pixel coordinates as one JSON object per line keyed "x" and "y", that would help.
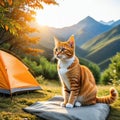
{"x": 51, "y": 110}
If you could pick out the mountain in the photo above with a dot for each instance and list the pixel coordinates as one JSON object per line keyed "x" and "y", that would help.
{"x": 107, "y": 23}
{"x": 115, "y": 23}
{"x": 94, "y": 40}
{"x": 89, "y": 28}
{"x": 83, "y": 31}
{"x": 111, "y": 23}
{"x": 103, "y": 47}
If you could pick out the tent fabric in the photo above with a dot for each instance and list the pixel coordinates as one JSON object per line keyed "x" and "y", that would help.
{"x": 51, "y": 110}
{"x": 14, "y": 75}
{"x": 14, "y": 90}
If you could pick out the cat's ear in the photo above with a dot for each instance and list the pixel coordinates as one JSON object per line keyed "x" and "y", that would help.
{"x": 71, "y": 41}
{"x": 56, "y": 40}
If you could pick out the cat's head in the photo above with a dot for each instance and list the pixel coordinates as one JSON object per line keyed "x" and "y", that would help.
{"x": 64, "y": 50}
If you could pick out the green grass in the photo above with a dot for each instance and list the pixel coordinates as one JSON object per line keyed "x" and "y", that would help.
{"x": 12, "y": 109}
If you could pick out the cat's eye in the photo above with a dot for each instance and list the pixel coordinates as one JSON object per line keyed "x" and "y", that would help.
{"x": 62, "y": 49}
{"x": 59, "y": 49}
{"x": 56, "y": 49}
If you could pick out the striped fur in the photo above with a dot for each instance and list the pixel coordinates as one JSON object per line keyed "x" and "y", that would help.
{"x": 79, "y": 87}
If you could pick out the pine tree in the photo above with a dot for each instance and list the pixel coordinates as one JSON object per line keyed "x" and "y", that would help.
{"x": 112, "y": 74}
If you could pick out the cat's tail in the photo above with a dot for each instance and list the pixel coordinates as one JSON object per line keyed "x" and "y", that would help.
{"x": 110, "y": 98}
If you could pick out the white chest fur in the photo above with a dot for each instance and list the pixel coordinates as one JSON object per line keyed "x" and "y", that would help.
{"x": 64, "y": 69}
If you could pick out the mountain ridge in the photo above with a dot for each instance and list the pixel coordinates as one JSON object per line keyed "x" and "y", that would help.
{"x": 84, "y": 31}
{"x": 103, "y": 47}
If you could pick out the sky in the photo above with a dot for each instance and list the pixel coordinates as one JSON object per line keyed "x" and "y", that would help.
{"x": 70, "y": 12}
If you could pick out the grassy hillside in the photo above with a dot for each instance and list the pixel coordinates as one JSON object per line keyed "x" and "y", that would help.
{"x": 103, "y": 47}
{"x": 12, "y": 109}
{"x": 102, "y": 39}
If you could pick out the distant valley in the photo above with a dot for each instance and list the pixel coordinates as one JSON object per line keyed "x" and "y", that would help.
{"x": 95, "y": 41}
{"x": 103, "y": 47}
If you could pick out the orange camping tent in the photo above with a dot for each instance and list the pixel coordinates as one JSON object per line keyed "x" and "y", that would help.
{"x": 14, "y": 75}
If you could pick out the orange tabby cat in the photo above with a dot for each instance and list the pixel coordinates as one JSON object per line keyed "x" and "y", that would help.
{"x": 79, "y": 85}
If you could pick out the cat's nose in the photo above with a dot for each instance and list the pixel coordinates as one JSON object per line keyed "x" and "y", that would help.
{"x": 58, "y": 56}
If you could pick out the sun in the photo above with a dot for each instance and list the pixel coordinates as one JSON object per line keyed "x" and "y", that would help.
{"x": 43, "y": 18}
{"x": 40, "y": 19}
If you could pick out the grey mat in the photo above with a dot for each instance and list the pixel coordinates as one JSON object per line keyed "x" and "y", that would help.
{"x": 51, "y": 110}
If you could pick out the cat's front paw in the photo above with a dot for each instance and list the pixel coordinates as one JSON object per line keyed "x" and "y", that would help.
{"x": 62, "y": 104}
{"x": 68, "y": 105}
{"x": 77, "y": 104}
